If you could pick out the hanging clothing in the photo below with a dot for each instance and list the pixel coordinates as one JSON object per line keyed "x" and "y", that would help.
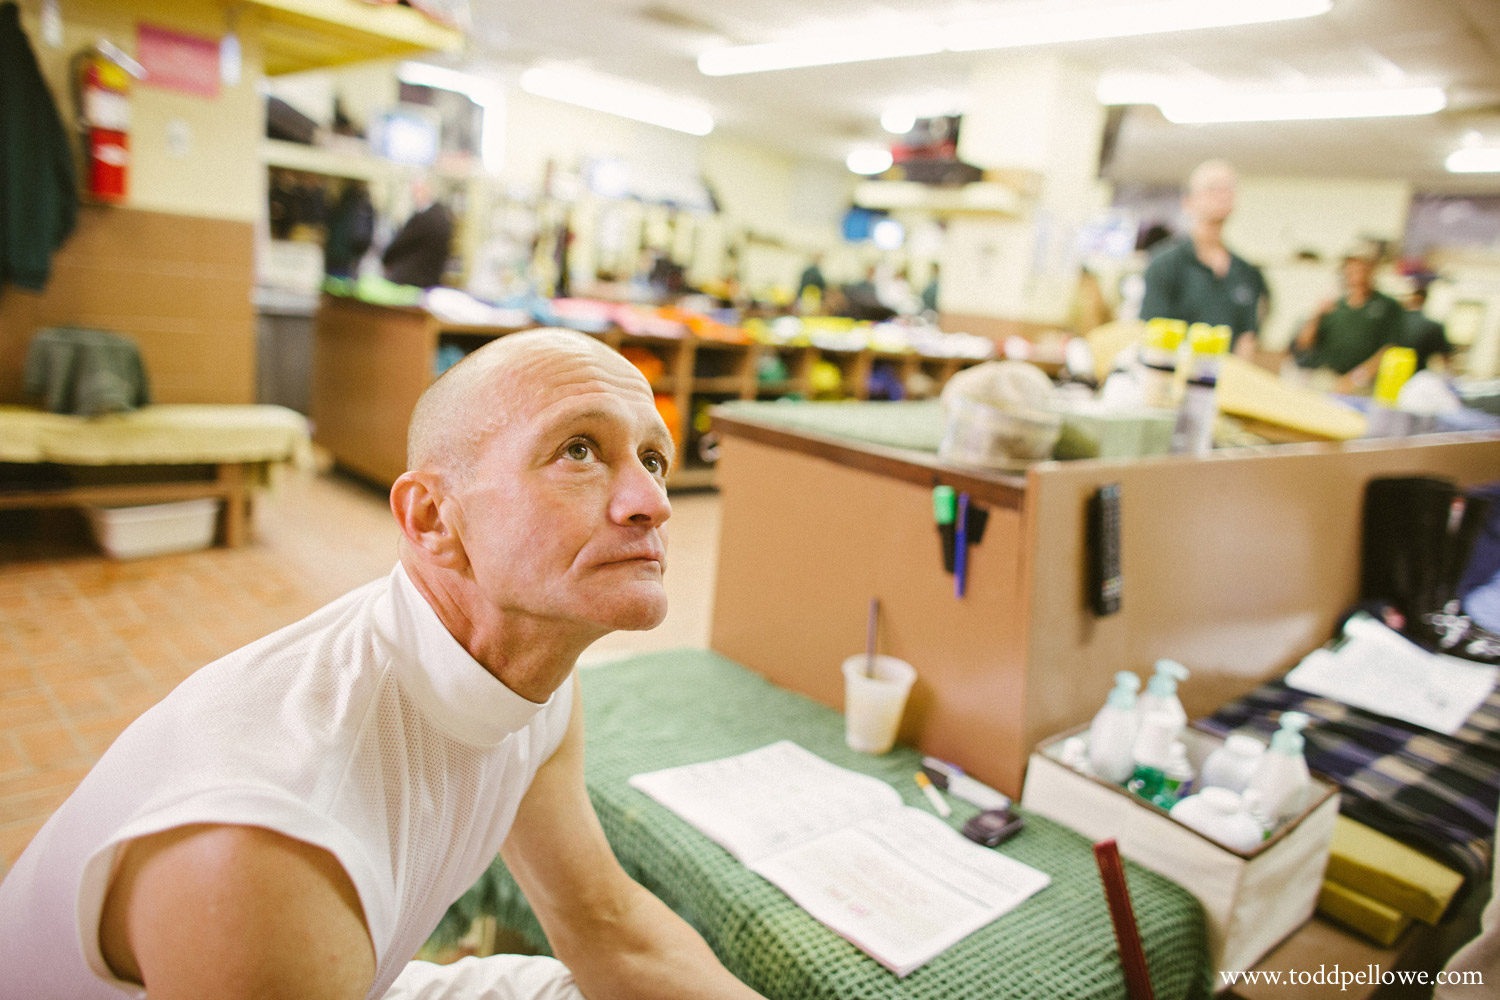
{"x": 38, "y": 188}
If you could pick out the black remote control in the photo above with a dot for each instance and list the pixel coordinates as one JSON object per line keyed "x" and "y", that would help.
{"x": 1105, "y": 583}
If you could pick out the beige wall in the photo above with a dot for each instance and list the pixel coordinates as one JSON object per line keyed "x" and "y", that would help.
{"x": 217, "y": 174}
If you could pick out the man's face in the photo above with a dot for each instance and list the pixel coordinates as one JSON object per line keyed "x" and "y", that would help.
{"x": 1357, "y": 275}
{"x": 564, "y": 510}
{"x": 1212, "y": 197}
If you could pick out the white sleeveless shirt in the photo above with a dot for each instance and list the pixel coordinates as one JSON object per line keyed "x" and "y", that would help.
{"x": 365, "y": 729}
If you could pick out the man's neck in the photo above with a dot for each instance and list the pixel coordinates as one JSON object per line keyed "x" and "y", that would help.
{"x": 1208, "y": 244}
{"x": 531, "y": 656}
{"x": 1357, "y": 297}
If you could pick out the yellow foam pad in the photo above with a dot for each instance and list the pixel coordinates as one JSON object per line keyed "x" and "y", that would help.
{"x": 1252, "y": 393}
{"x": 1389, "y": 872}
{"x": 1380, "y": 923}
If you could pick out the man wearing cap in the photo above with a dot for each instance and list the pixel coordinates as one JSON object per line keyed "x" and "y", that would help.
{"x": 1198, "y": 279}
{"x": 1348, "y": 334}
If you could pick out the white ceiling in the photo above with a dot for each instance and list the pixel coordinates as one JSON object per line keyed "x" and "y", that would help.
{"x": 823, "y": 111}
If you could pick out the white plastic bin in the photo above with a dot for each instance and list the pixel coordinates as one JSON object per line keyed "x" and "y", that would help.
{"x": 154, "y": 529}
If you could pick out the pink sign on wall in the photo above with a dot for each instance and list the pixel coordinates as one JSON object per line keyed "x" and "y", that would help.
{"x": 175, "y": 61}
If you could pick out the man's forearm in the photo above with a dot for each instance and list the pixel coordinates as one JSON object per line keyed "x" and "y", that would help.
{"x": 647, "y": 951}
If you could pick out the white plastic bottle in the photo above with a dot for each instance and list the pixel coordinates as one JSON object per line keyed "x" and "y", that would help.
{"x": 1112, "y": 734}
{"x": 1281, "y": 779}
{"x": 1222, "y": 816}
{"x": 1194, "y": 433}
{"x": 1232, "y": 765}
{"x": 1161, "y": 693}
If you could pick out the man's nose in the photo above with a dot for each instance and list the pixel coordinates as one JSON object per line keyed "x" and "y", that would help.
{"x": 639, "y": 498}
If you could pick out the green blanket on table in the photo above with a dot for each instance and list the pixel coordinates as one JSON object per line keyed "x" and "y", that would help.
{"x": 687, "y": 706}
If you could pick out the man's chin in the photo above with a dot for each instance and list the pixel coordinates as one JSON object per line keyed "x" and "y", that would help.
{"x": 634, "y": 613}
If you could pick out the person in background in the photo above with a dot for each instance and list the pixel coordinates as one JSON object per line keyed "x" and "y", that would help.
{"x": 812, "y": 277}
{"x": 930, "y": 293}
{"x": 351, "y": 230}
{"x": 418, "y": 255}
{"x": 1198, "y": 279}
{"x": 1347, "y": 335}
{"x": 1421, "y": 333}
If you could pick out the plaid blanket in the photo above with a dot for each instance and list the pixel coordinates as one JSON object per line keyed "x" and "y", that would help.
{"x": 1437, "y": 793}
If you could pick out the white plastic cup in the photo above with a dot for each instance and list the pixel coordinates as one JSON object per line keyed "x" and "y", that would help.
{"x": 873, "y": 705}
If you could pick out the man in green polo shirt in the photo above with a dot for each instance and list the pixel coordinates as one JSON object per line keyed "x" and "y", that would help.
{"x": 1349, "y": 335}
{"x": 1198, "y": 279}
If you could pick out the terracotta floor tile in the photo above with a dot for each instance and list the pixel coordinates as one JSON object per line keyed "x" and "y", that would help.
{"x": 12, "y": 761}
{"x": 49, "y": 745}
{"x": 13, "y": 840}
{"x": 20, "y": 708}
{"x": 82, "y": 698}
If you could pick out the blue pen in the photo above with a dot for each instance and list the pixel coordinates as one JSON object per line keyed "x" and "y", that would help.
{"x": 961, "y": 545}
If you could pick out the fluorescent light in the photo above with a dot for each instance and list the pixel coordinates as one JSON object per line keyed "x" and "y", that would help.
{"x": 614, "y": 96}
{"x": 1202, "y": 106}
{"x": 1474, "y": 160}
{"x": 898, "y": 121}
{"x": 824, "y": 50}
{"x": 1039, "y": 22}
{"x": 485, "y": 93}
{"x": 1048, "y": 24}
{"x": 869, "y": 160}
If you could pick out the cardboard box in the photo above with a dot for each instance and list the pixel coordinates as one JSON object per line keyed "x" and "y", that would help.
{"x": 1252, "y": 900}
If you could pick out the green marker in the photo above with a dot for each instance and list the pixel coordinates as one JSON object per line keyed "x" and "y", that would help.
{"x": 944, "y": 504}
{"x": 945, "y": 512}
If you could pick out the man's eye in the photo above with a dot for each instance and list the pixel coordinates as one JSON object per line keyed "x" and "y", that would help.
{"x": 579, "y": 451}
{"x": 655, "y": 464}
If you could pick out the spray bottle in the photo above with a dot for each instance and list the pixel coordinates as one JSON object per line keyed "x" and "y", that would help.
{"x": 1281, "y": 779}
{"x": 1161, "y": 693}
{"x": 1112, "y": 734}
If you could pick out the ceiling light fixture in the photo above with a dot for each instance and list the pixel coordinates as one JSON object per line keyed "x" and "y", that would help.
{"x": 824, "y": 50}
{"x": 869, "y": 160}
{"x": 1035, "y": 23}
{"x": 1049, "y": 24}
{"x": 614, "y": 96}
{"x": 1199, "y": 107}
{"x": 1474, "y": 160}
{"x": 898, "y": 121}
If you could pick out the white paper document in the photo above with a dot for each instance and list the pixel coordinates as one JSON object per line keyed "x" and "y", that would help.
{"x": 1378, "y": 670}
{"x": 898, "y": 882}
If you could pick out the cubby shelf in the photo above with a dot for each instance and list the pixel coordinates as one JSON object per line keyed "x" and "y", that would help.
{"x": 372, "y": 362}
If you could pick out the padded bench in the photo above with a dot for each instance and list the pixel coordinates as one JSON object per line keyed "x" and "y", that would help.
{"x": 155, "y": 454}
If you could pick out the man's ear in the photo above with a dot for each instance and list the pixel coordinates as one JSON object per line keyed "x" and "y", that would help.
{"x": 429, "y": 519}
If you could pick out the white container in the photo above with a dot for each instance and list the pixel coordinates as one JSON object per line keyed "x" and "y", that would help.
{"x": 1222, "y": 816}
{"x": 1251, "y": 899}
{"x": 154, "y": 529}
{"x": 873, "y": 705}
{"x": 1111, "y": 744}
{"x": 1233, "y": 764}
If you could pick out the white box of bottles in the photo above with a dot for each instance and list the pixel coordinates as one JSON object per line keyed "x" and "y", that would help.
{"x": 1251, "y": 899}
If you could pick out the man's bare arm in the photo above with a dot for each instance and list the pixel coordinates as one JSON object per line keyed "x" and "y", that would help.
{"x": 235, "y": 912}
{"x": 618, "y": 939}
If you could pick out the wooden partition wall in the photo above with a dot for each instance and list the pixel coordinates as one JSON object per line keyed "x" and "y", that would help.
{"x": 1237, "y": 564}
{"x": 179, "y": 285}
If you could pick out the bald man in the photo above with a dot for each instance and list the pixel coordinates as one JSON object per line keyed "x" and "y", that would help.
{"x": 1198, "y": 279}
{"x": 293, "y": 820}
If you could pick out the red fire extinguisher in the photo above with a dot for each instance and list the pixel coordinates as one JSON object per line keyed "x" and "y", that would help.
{"x": 104, "y": 121}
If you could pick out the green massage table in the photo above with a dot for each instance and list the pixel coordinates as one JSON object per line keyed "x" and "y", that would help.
{"x": 682, "y": 707}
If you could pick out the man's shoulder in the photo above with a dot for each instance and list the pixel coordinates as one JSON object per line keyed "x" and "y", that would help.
{"x": 1171, "y": 253}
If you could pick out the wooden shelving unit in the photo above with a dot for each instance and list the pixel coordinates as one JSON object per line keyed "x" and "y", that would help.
{"x": 371, "y": 363}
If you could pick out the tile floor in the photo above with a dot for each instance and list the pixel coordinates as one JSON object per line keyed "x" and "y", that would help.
{"x": 87, "y": 644}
